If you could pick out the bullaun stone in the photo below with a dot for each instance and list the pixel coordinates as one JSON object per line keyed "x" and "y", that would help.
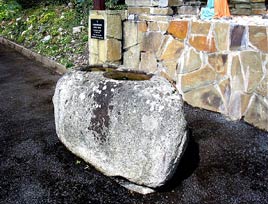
{"x": 131, "y": 129}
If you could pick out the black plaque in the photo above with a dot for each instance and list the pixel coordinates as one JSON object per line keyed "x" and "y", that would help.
{"x": 97, "y": 29}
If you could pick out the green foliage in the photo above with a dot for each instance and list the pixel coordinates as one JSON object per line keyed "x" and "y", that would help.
{"x": 8, "y": 9}
{"x": 47, "y": 28}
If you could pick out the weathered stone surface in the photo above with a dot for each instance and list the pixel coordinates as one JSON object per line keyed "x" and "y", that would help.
{"x": 157, "y": 18}
{"x": 139, "y": 10}
{"x": 132, "y": 33}
{"x": 219, "y": 62}
{"x": 237, "y": 75}
{"x": 201, "y": 28}
{"x": 258, "y": 37}
{"x": 178, "y": 29}
{"x": 158, "y": 26}
{"x": 238, "y": 104}
{"x": 132, "y": 129}
{"x": 258, "y": 11}
{"x": 161, "y": 11}
{"x": 172, "y": 50}
{"x": 132, "y": 57}
{"x": 114, "y": 26}
{"x": 262, "y": 88}
{"x": 151, "y": 41}
{"x": 203, "y": 43}
{"x": 222, "y": 35}
{"x": 252, "y": 65}
{"x": 114, "y": 48}
{"x": 237, "y": 36}
{"x": 196, "y": 79}
{"x": 153, "y": 26}
{"x": 206, "y": 97}
{"x": 190, "y": 61}
{"x": 171, "y": 68}
{"x": 188, "y": 10}
{"x": 148, "y": 62}
{"x": 257, "y": 113}
{"x": 225, "y": 88}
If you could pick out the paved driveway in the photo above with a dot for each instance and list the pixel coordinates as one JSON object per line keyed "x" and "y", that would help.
{"x": 225, "y": 162}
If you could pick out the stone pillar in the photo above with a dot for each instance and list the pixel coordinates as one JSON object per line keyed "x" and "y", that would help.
{"x": 105, "y": 37}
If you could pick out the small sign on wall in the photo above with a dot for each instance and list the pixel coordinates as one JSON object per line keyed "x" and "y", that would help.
{"x": 97, "y": 29}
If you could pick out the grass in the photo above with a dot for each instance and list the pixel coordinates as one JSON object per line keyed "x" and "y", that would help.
{"x": 47, "y": 30}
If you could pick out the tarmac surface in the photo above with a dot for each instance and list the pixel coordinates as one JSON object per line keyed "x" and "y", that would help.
{"x": 225, "y": 161}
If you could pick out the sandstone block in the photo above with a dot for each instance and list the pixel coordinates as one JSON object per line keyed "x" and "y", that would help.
{"x": 252, "y": 64}
{"x": 238, "y": 104}
{"x": 190, "y": 61}
{"x": 132, "y": 57}
{"x": 237, "y": 75}
{"x": 171, "y": 50}
{"x": 219, "y": 62}
{"x": 132, "y": 33}
{"x": 114, "y": 50}
{"x": 197, "y": 79}
{"x": 148, "y": 62}
{"x": 200, "y": 28}
{"x": 203, "y": 43}
{"x": 178, "y": 29}
{"x": 257, "y": 113}
{"x": 124, "y": 128}
{"x": 151, "y": 41}
{"x": 222, "y": 35}
{"x": 258, "y": 37}
{"x": 237, "y": 36}
{"x": 114, "y": 26}
{"x": 205, "y": 97}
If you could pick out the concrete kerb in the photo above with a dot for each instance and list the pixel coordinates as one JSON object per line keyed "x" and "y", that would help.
{"x": 51, "y": 64}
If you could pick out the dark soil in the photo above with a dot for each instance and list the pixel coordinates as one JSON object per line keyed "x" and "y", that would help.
{"x": 225, "y": 162}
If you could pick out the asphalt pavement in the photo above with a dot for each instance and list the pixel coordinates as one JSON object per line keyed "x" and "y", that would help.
{"x": 225, "y": 161}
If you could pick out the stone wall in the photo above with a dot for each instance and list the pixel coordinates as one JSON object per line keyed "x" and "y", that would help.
{"x": 219, "y": 66}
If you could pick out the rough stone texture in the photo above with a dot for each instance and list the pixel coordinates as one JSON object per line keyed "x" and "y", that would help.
{"x": 225, "y": 88}
{"x": 237, "y": 75}
{"x": 171, "y": 68}
{"x": 237, "y": 36}
{"x": 114, "y": 27}
{"x": 193, "y": 80}
{"x": 222, "y": 35}
{"x": 178, "y": 29}
{"x": 201, "y": 28}
{"x": 172, "y": 50}
{"x": 132, "y": 30}
{"x": 114, "y": 50}
{"x": 205, "y": 97}
{"x": 219, "y": 62}
{"x": 238, "y": 104}
{"x": 262, "y": 88}
{"x": 158, "y": 26}
{"x": 151, "y": 41}
{"x": 252, "y": 65}
{"x": 190, "y": 61}
{"x": 257, "y": 113}
{"x": 258, "y": 37}
{"x": 203, "y": 43}
{"x": 132, "y": 57}
{"x": 148, "y": 62}
{"x": 107, "y": 51}
{"x": 132, "y": 129}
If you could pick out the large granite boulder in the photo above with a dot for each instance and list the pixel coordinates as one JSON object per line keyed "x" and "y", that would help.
{"x": 130, "y": 128}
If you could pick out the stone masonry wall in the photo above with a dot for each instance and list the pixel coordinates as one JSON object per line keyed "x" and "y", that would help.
{"x": 219, "y": 65}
